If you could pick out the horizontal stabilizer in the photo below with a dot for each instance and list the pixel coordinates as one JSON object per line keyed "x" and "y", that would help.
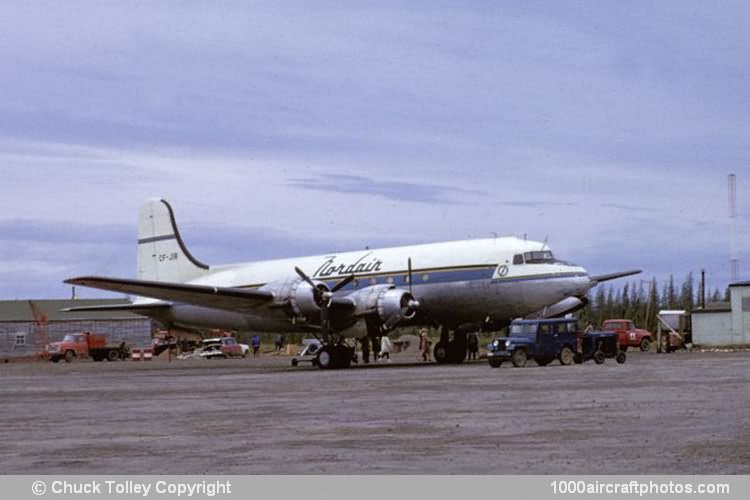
{"x": 614, "y": 276}
{"x": 225, "y": 298}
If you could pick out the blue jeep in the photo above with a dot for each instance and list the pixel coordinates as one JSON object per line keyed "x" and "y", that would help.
{"x": 545, "y": 340}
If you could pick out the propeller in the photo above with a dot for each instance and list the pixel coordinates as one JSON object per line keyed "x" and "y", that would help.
{"x": 322, "y": 296}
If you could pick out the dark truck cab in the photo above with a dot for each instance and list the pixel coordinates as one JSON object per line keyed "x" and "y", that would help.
{"x": 545, "y": 340}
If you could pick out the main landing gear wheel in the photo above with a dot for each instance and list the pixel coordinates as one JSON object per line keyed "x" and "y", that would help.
{"x": 441, "y": 352}
{"x": 325, "y": 358}
{"x": 450, "y": 351}
{"x": 331, "y": 357}
{"x": 343, "y": 356}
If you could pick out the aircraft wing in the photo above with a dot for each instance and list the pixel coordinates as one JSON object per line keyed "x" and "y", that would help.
{"x": 127, "y": 307}
{"x": 227, "y": 298}
{"x": 613, "y": 276}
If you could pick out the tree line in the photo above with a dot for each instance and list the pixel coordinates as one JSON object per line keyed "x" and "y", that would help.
{"x": 641, "y": 300}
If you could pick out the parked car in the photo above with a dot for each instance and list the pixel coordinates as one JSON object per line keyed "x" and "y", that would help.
{"x": 245, "y": 349}
{"x": 222, "y": 347}
{"x": 628, "y": 334}
{"x": 212, "y": 351}
{"x": 542, "y": 340}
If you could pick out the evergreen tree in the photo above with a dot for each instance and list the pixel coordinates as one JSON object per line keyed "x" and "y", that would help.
{"x": 652, "y": 306}
{"x": 617, "y": 305}
{"x": 670, "y": 298}
{"x": 642, "y": 303}
{"x": 687, "y": 297}
{"x": 600, "y": 304}
{"x": 637, "y": 305}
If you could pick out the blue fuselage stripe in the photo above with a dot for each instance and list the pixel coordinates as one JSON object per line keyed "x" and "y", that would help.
{"x": 445, "y": 276}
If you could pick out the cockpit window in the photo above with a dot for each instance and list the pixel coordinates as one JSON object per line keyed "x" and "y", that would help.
{"x": 543, "y": 257}
{"x": 518, "y": 259}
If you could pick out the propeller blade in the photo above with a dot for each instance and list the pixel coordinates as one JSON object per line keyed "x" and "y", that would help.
{"x": 409, "y": 262}
{"x": 305, "y": 277}
{"x": 341, "y": 284}
{"x": 323, "y": 298}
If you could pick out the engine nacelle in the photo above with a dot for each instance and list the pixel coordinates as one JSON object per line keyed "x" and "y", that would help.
{"x": 305, "y": 301}
{"x": 299, "y": 296}
{"x": 395, "y": 306}
{"x": 391, "y": 304}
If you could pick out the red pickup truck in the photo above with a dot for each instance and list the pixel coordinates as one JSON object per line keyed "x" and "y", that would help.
{"x": 628, "y": 334}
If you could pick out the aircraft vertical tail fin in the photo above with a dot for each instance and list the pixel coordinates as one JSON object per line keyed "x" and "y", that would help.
{"x": 162, "y": 255}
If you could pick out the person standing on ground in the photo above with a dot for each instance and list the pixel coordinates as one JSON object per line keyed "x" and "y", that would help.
{"x": 386, "y": 348}
{"x": 279, "y": 342}
{"x": 472, "y": 341}
{"x": 424, "y": 345}
{"x": 255, "y": 343}
{"x": 375, "y": 348}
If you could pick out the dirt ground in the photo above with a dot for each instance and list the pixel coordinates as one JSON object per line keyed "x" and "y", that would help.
{"x": 682, "y": 413}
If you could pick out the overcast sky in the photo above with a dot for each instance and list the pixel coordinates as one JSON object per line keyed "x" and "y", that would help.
{"x": 283, "y": 129}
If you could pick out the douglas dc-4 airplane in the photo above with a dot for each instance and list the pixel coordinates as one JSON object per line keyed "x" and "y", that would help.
{"x": 458, "y": 285}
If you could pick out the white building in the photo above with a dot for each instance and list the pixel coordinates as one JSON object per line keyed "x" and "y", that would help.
{"x": 726, "y": 325}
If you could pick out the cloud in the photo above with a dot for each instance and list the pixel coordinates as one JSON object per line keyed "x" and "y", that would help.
{"x": 537, "y": 204}
{"x": 395, "y": 190}
{"x": 63, "y": 232}
{"x": 629, "y": 208}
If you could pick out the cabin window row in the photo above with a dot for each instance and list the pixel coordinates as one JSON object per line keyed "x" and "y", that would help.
{"x": 392, "y": 280}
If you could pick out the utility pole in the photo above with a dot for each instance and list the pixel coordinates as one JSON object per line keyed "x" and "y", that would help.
{"x": 734, "y": 264}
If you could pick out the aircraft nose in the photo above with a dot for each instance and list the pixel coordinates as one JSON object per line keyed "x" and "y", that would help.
{"x": 585, "y": 282}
